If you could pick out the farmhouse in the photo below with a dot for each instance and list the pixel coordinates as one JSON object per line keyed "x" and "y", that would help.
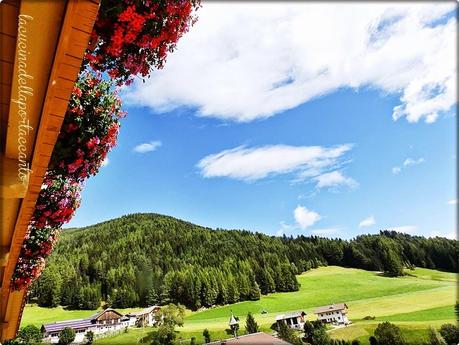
{"x": 144, "y": 317}
{"x": 334, "y": 313}
{"x": 105, "y": 321}
{"x": 293, "y": 320}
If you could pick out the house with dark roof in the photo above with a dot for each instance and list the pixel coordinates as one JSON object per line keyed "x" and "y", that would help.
{"x": 103, "y": 322}
{"x": 294, "y": 320}
{"x": 333, "y": 313}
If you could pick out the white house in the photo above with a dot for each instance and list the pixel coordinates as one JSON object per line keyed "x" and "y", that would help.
{"x": 293, "y": 320}
{"x": 144, "y": 317}
{"x": 105, "y": 321}
{"x": 334, "y": 313}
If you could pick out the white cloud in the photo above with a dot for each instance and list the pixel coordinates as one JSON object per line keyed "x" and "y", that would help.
{"x": 251, "y": 164}
{"x": 105, "y": 162}
{"x": 367, "y": 222}
{"x": 334, "y": 179}
{"x": 304, "y": 217}
{"x": 411, "y": 161}
{"x": 452, "y": 202}
{"x": 451, "y": 235}
{"x": 407, "y": 229}
{"x": 325, "y": 231}
{"x": 249, "y": 60}
{"x": 284, "y": 228}
{"x": 147, "y": 147}
{"x": 406, "y": 163}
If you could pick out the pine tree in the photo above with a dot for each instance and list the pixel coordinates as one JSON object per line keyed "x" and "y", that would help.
{"x": 308, "y": 328}
{"x": 285, "y": 332}
{"x": 152, "y": 296}
{"x": 49, "y": 289}
{"x": 251, "y": 325}
{"x": 435, "y": 337}
{"x": 206, "y": 335}
{"x": 393, "y": 266}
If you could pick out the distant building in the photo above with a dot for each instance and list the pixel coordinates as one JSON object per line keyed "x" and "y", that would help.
{"x": 334, "y": 313}
{"x": 293, "y": 320}
{"x": 234, "y": 324}
{"x": 144, "y": 317}
{"x": 105, "y": 321}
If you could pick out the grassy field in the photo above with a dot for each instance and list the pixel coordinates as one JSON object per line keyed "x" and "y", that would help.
{"x": 423, "y": 298}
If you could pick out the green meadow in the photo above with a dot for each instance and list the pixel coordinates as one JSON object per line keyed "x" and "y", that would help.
{"x": 414, "y": 302}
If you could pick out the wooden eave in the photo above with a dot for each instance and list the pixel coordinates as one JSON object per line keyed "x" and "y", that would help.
{"x": 57, "y": 35}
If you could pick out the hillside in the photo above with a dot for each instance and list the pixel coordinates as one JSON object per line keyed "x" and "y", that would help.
{"x": 414, "y": 302}
{"x": 143, "y": 259}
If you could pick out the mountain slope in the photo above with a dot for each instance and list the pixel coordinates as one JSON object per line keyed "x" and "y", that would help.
{"x": 145, "y": 259}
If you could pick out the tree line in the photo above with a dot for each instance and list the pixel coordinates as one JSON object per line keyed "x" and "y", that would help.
{"x": 147, "y": 259}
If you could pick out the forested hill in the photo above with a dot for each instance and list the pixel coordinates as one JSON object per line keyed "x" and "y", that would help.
{"x": 145, "y": 259}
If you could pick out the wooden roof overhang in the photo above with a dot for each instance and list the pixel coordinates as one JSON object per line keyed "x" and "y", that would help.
{"x": 42, "y": 44}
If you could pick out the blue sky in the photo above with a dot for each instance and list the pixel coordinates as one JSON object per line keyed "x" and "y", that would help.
{"x": 236, "y": 133}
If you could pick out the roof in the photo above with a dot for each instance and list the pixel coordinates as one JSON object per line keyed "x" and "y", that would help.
{"x": 144, "y": 311}
{"x": 75, "y": 324}
{"x": 233, "y": 320}
{"x": 290, "y": 315}
{"x": 59, "y": 326}
{"x": 57, "y": 38}
{"x": 253, "y": 339}
{"x": 331, "y": 307}
{"x": 100, "y": 313}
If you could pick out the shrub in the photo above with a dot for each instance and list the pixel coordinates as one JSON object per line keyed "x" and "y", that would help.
{"x": 450, "y": 333}
{"x": 29, "y": 335}
{"x": 373, "y": 340}
{"x": 251, "y": 325}
{"x": 435, "y": 337}
{"x": 206, "y": 335}
{"x": 66, "y": 336}
{"x": 89, "y": 336}
{"x": 389, "y": 334}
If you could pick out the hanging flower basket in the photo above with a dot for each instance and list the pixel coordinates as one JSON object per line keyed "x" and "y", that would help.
{"x": 90, "y": 128}
{"x": 133, "y": 37}
{"x": 130, "y": 38}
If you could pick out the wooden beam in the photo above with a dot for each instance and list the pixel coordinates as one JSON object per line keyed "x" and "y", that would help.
{"x": 4, "y": 254}
{"x": 66, "y": 60}
{"x": 36, "y": 40}
{"x": 13, "y": 178}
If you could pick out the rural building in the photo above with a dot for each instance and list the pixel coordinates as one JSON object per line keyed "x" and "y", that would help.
{"x": 293, "y": 320}
{"x": 144, "y": 317}
{"x": 334, "y": 313}
{"x": 105, "y": 321}
{"x": 254, "y": 338}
